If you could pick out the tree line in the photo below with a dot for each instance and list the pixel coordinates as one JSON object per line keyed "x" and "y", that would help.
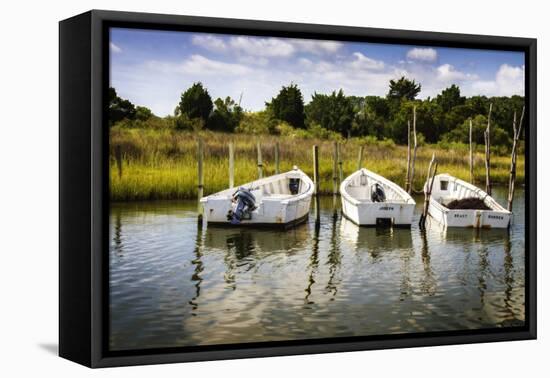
{"x": 443, "y": 118}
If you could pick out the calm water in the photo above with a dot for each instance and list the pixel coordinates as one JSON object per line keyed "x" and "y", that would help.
{"x": 172, "y": 284}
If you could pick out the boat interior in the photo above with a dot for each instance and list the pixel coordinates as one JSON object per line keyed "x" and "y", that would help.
{"x": 447, "y": 189}
{"x": 278, "y": 187}
{"x": 360, "y": 187}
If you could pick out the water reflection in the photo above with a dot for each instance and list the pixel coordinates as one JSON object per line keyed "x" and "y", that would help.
{"x": 175, "y": 283}
{"x": 314, "y": 259}
{"x": 333, "y": 260}
{"x": 429, "y": 281}
{"x": 199, "y": 267}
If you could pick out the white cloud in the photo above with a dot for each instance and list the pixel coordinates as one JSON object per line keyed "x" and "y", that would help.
{"x": 449, "y": 74}
{"x": 305, "y": 63}
{"x": 509, "y": 81}
{"x": 363, "y": 62}
{"x": 114, "y": 48}
{"x": 269, "y": 47}
{"x": 200, "y": 65}
{"x": 422, "y": 54}
{"x": 209, "y": 42}
{"x": 316, "y": 47}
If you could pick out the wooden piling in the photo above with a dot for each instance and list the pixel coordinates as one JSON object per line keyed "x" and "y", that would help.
{"x": 200, "y": 186}
{"x": 231, "y": 165}
{"x": 340, "y": 170}
{"x": 316, "y": 183}
{"x": 471, "y": 155}
{"x": 415, "y": 141}
{"x": 512, "y": 181}
{"x": 118, "y": 158}
{"x": 430, "y": 177}
{"x": 335, "y": 177}
{"x": 487, "y": 136}
{"x": 277, "y": 171}
{"x": 360, "y": 157}
{"x": 260, "y": 164}
{"x": 408, "y": 174}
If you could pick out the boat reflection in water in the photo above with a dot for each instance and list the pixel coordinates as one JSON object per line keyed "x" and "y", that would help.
{"x": 375, "y": 240}
{"x": 440, "y": 234}
{"x": 174, "y": 283}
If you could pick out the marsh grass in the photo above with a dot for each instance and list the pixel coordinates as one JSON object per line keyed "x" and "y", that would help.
{"x": 162, "y": 164}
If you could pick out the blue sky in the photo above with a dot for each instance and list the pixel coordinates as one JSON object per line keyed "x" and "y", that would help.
{"x": 153, "y": 68}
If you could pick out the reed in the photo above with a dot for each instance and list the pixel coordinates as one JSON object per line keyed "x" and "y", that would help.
{"x": 162, "y": 164}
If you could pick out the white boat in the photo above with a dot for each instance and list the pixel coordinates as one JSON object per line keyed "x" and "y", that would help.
{"x": 282, "y": 200}
{"x": 447, "y": 188}
{"x": 369, "y": 199}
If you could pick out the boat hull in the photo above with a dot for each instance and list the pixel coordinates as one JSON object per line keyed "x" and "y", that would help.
{"x": 468, "y": 218}
{"x": 269, "y": 213}
{"x": 357, "y": 205}
{"x": 276, "y": 204}
{"x": 371, "y": 214}
{"x": 447, "y": 188}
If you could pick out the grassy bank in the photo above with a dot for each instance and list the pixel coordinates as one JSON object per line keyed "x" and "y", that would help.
{"x": 162, "y": 164}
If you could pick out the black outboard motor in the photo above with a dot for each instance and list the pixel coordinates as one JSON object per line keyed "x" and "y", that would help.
{"x": 377, "y": 193}
{"x": 294, "y": 185}
{"x": 245, "y": 203}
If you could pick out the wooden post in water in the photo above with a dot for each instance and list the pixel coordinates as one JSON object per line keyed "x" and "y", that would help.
{"x": 316, "y": 183}
{"x": 277, "y": 158}
{"x": 430, "y": 177}
{"x": 335, "y": 177}
{"x": 231, "y": 165}
{"x": 118, "y": 158}
{"x": 200, "y": 172}
{"x": 415, "y": 141}
{"x": 340, "y": 170}
{"x": 512, "y": 182}
{"x": 487, "y": 135}
{"x": 360, "y": 158}
{"x": 260, "y": 164}
{"x": 471, "y": 155}
{"x": 408, "y": 175}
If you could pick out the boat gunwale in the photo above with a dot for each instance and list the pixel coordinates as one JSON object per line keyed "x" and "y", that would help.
{"x": 478, "y": 191}
{"x": 264, "y": 180}
{"x": 408, "y": 200}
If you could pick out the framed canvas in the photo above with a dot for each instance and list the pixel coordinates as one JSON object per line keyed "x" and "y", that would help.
{"x": 235, "y": 188}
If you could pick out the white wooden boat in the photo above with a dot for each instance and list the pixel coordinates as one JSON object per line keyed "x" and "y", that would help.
{"x": 361, "y": 205}
{"x": 447, "y": 188}
{"x": 282, "y": 200}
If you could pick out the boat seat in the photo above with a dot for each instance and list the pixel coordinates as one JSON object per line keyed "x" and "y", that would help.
{"x": 361, "y": 193}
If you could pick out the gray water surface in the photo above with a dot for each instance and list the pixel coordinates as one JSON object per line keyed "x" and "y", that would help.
{"x": 175, "y": 284}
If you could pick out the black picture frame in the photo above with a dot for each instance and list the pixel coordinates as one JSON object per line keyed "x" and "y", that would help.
{"x": 84, "y": 200}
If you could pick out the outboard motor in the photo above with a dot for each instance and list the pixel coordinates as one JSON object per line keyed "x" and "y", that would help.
{"x": 377, "y": 193}
{"x": 244, "y": 203}
{"x": 294, "y": 185}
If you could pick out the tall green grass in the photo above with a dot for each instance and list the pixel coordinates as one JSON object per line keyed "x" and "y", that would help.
{"x": 162, "y": 164}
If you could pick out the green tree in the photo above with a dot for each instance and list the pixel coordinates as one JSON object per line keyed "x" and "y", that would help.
{"x": 503, "y": 111}
{"x": 195, "y": 102}
{"x": 333, "y": 112}
{"x": 288, "y": 106}
{"x": 226, "y": 116}
{"x": 119, "y": 108}
{"x": 449, "y": 98}
{"x": 461, "y": 134}
{"x": 403, "y": 88}
{"x": 143, "y": 113}
{"x": 429, "y": 116}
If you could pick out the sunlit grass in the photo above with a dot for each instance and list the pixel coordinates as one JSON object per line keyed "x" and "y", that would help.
{"x": 162, "y": 164}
